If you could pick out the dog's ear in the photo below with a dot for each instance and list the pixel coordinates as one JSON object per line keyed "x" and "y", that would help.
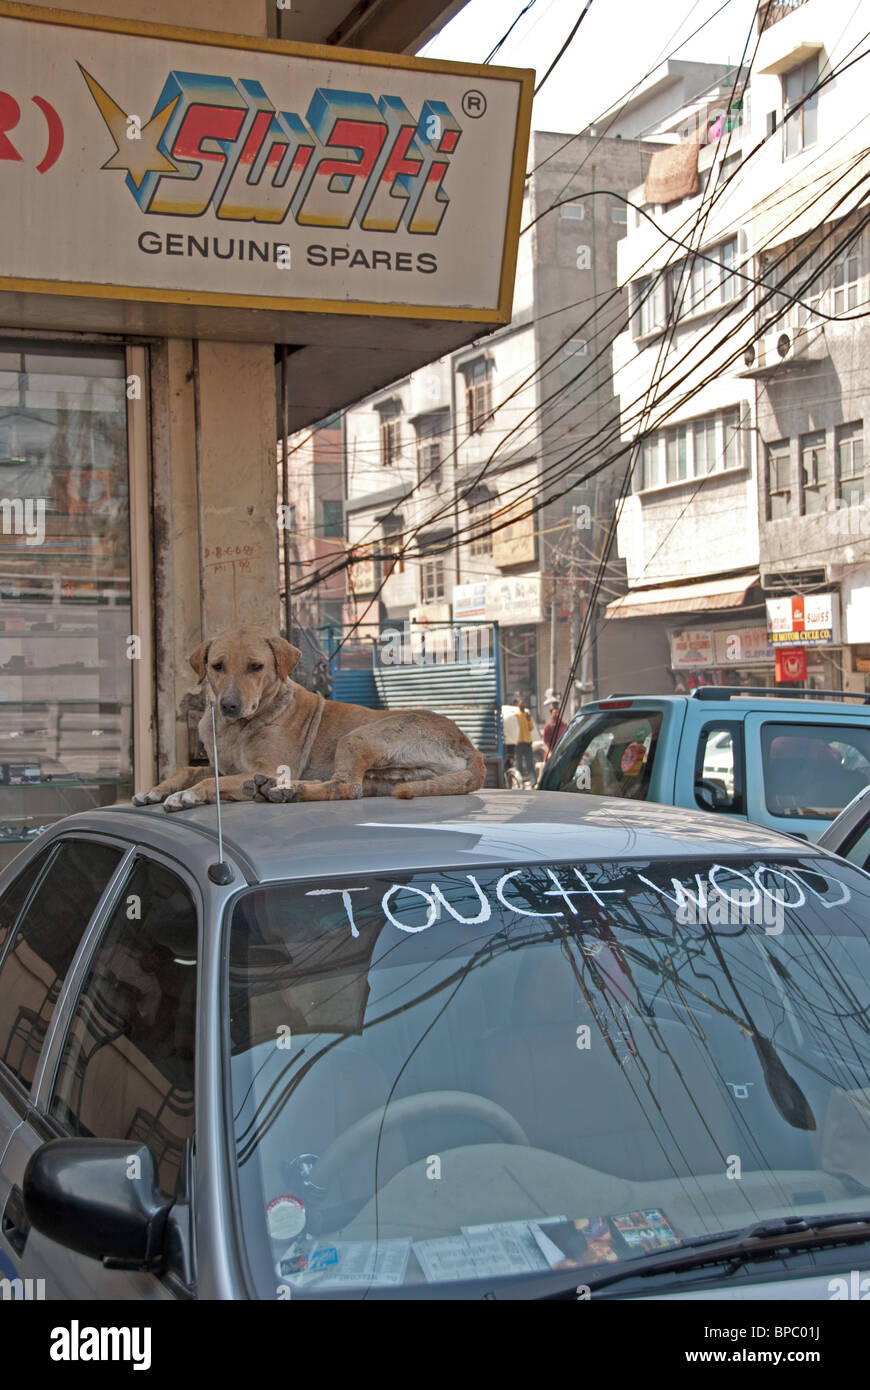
{"x": 199, "y": 658}
{"x": 286, "y": 655}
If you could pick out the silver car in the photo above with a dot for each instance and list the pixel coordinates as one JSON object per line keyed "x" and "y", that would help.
{"x": 513, "y": 1044}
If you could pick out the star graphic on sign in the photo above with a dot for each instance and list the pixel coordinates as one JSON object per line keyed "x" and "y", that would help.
{"x": 140, "y": 156}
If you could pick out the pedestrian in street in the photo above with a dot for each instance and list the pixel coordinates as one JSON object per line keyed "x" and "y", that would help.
{"x": 553, "y": 729}
{"x": 525, "y": 731}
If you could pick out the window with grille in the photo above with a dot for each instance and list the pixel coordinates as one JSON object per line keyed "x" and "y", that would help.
{"x": 333, "y": 517}
{"x": 676, "y": 454}
{"x": 845, "y": 277}
{"x": 391, "y": 549}
{"x": 780, "y": 483}
{"x": 391, "y": 439}
{"x": 850, "y": 463}
{"x": 478, "y": 394}
{"x": 800, "y": 115}
{"x": 816, "y": 480}
{"x": 480, "y": 515}
{"x": 432, "y": 580}
{"x": 708, "y": 282}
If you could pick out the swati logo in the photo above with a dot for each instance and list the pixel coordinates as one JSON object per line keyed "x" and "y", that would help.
{"x": 214, "y": 143}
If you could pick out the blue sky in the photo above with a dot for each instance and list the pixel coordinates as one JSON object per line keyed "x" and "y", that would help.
{"x": 617, "y": 43}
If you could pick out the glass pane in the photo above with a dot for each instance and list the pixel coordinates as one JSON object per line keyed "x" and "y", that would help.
{"x": 503, "y": 1072}
{"x": 16, "y": 895}
{"x": 813, "y": 771}
{"x": 45, "y": 943}
{"x": 128, "y": 1061}
{"x": 607, "y": 755}
{"x": 65, "y": 676}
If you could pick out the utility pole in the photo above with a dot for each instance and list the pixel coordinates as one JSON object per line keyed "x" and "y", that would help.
{"x": 576, "y": 586}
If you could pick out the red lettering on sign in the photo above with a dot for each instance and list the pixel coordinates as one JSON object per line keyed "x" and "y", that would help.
{"x": 206, "y": 123}
{"x": 10, "y": 113}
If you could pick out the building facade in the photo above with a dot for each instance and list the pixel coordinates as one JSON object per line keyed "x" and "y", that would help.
{"x": 478, "y": 487}
{"x": 745, "y": 558}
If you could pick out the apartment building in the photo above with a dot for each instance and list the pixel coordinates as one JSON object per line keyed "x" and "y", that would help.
{"x": 742, "y": 536}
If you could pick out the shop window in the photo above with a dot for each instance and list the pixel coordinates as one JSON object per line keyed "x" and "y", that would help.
{"x": 432, "y": 585}
{"x": 800, "y": 111}
{"x": 816, "y": 477}
{"x": 850, "y": 463}
{"x": 780, "y": 483}
{"x": 66, "y": 677}
{"x": 333, "y": 517}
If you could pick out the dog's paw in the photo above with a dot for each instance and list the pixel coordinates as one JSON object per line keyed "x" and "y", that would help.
{"x": 279, "y": 791}
{"x": 255, "y": 787}
{"x": 181, "y": 801}
{"x": 147, "y": 798}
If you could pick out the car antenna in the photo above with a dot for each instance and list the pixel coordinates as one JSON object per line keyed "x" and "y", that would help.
{"x": 220, "y": 872}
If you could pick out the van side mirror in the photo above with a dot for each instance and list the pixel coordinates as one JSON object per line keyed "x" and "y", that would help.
{"x": 100, "y": 1197}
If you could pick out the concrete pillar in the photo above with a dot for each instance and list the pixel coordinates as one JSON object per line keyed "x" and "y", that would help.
{"x": 236, "y": 555}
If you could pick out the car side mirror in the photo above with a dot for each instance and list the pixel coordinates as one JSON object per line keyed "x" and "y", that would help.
{"x": 100, "y": 1197}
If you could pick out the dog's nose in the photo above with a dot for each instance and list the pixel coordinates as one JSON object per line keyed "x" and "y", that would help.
{"x": 230, "y": 706}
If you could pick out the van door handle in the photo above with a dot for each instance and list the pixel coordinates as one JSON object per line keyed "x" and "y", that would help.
{"x": 15, "y": 1225}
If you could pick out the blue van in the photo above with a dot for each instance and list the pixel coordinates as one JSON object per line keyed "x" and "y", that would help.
{"x": 791, "y": 762}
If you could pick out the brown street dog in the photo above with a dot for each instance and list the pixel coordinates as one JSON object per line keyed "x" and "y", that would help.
{"x": 277, "y": 741}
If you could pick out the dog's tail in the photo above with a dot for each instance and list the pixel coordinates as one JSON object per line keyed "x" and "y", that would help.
{"x": 449, "y": 783}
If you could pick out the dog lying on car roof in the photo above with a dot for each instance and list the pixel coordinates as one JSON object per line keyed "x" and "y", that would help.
{"x": 277, "y": 741}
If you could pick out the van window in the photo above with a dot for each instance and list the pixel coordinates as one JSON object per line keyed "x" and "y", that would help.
{"x": 608, "y": 754}
{"x": 811, "y": 771}
{"x": 719, "y": 778}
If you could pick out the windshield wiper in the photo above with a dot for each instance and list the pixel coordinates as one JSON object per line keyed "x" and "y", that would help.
{"x": 765, "y": 1240}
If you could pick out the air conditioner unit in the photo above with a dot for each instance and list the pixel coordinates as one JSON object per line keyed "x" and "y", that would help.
{"x": 779, "y": 347}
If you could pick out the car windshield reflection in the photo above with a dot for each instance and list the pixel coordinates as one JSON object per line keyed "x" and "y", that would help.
{"x": 466, "y": 1075}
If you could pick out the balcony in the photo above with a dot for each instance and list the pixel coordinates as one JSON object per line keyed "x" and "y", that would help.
{"x": 774, "y": 11}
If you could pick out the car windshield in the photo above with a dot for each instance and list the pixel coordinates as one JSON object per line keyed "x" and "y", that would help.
{"x": 485, "y": 1072}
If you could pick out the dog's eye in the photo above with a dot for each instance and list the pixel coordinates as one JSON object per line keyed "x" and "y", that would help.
{"x": 217, "y": 666}
{"x": 255, "y": 666}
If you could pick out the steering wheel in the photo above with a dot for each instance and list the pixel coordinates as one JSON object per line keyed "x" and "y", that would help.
{"x": 425, "y": 1105}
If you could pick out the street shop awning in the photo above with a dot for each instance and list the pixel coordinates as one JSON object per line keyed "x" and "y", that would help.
{"x": 709, "y": 594}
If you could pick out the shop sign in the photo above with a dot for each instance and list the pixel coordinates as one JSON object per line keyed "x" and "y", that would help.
{"x": 514, "y": 544}
{"x": 810, "y": 620}
{"x": 791, "y": 664}
{"x": 362, "y": 573}
{"x": 521, "y": 598}
{"x": 184, "y": 167}
{"x": 691, "y": 647}
{"x": 742, "y": 646}
{"x": 469, "y": 601}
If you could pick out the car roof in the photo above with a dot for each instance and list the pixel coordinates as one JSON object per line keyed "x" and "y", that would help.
{"x": 737, "y": 703}
{"x": 329, "y": 839}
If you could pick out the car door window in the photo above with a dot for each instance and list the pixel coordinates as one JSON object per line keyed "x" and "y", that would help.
{"x": 126, "y": 1070}
{"x": 813, "y": 770}
{"x": 41, "y": 952}
{"x": 13, "y": 900}
{"x": 719, "y": 768}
